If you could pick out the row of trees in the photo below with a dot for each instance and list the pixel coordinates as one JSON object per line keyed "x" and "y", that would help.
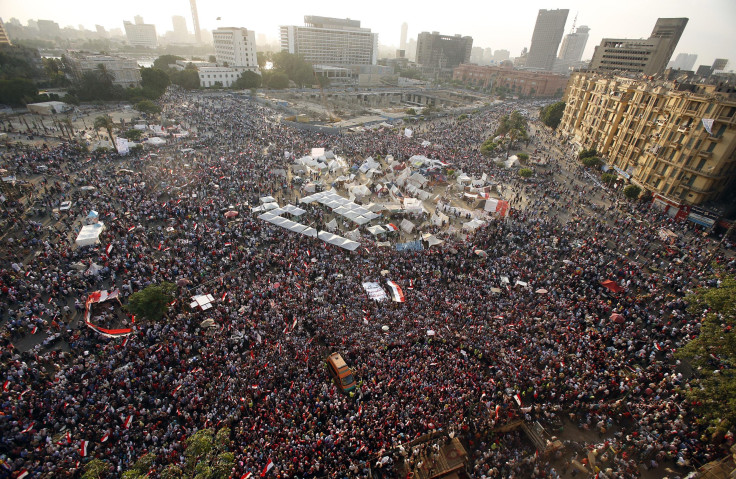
{"x": 551, "y": 115}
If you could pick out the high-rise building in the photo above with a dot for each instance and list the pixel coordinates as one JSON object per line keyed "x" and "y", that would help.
{"x": 236, "y": 48}
{"x": 443, "y": 52}
{"x": 4, "y": 38}
{"x": 476, "y": 55}
{"x": 674, "y": 139}
{"x": 195, "y": 21}
{"x": 487, "y": 56}
{"x": 404, "y": 33}
{"x": 501, "y": 55}
{"x": 180, "y": 25}
{"x": 141, "y": 34}
{"x": 138, "y": 20}
{"x": 546, "y": 39}
{"x": 669, "y": 30}
{"x": 719, "y": 64}
{"x": 331, "y": 41}
{"x": 48, "y": 28}
{"x": 573, "y": 45}
{"x": 683, "y": 61}
{"x": 101, "y": 31}
{"x": 649, "y": 56}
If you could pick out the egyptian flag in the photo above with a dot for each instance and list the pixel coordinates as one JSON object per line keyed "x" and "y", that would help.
{"x": 33, "y": 331}
{"x": 247, "y": 475}
{"x": 659, "y": 348}
{"x": 23, "y": 474}
{"x": 498, "y": 408}
{"x": 105, "y": 437}
{"x": 518, "y": 399}
{"x": 83, "y": 448}
{"x": 108, "y": 249}
{"x": 391, "y": 227}
{"x": 269, "y": 466}
{"x": 396, "y": 294}
{"x": 411, "y": 284}
{"x": 68, "y": 437}
{"x": 6, "y": 385}
{"x": 30, "y": 426}
{"x": 128, "y": 421}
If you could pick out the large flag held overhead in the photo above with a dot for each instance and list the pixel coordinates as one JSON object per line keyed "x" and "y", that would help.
{"x": 374, "y": 291}
{"x": 396, "y": 294}
{"x": 269, "y": 466}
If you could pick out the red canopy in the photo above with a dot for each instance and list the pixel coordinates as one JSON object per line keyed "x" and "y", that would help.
{"x": 617, "y": 318}
{"x": 612, "y": 286}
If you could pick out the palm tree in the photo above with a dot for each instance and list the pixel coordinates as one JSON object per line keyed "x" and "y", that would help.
{"x": 105, "y": 122}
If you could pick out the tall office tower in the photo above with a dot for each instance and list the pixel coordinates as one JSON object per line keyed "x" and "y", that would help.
{"x": 141, "y": 34}
{"x": 4, "y": 38}
{"x": 331, "y": 41}
{"x": 669, "y": 30}
{"x": 404, "y": 32}
{"x": 546, "y": 39}
{"x": 683, "y": 61}
{"x": 195, "y": 21}
{"x": 180, "y": 25}
{"x": 138, "y": 20}
{"x": 236, "y": 48}
{"x": 573, "y": 45}
{"x": 648, "y": 56}
{"x": 476, "y": 55}
{"x": 443, "y": 51}
{"x": 719, "y": 64}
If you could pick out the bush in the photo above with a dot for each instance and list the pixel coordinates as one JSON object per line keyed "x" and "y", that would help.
{"x": 133, "y": 135}
{"x": 632, "y": 192}
{"x": 247, "y": 80}
{"x": 551, "y": 115}
{"x": 525, "y": 172}
{"x": 147, "y": 106}
{"x": 592, "y": 162}
{"x": 411, "y": 111}
{"x": 523, "y": 156}
{"x": 587, "y": 153}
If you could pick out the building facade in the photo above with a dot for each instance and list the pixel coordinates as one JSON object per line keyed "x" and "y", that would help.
{"x": 676, "y": 140}
{"x": 331, "y": 41}
{"x": 648, "y": 56}
{"x": 217, "y": 76}
{"x": 516, "y": 82}
{"x": 236, "y": 48}
{"x": 546, "y": 39}
{"x": 573, "y": 45}
{"x": 684, "y": 61}
{"x": 125, "y": 72}
{"x": 141, "y": 34}
{"x": 443, "y": 52}
{"x": 4, "y": 38}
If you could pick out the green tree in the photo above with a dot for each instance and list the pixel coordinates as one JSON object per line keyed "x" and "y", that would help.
{"x": 488, "y": 147}
{"x": 152, "y": 302}
{"x": 186, "y": 78}
{"x": 105, "y": 122}
{"x": 411, "y": 111}
{"x": 141, "y": 468}
{"x": 515, "y": 127}
{"x": 147, "y": 106}
{"x": 96, "y": 469}
{"x": 608, "y": 178}
{"x": 133, "y": 135}
{"x": 247, "y": 80}
{"x": 713, "y": 355}
{"x": 585, "y": 153}
{"x": 163, "y": 62}
{"x": 551, "y": 115}
{"x": 275, "y": 80}
{"x": 294, "y": 67}
{"x": 592, "y": 162}
{"x": 154, "y": 81}
{"x": 632, "y": 192}
{"x": 523, "y": 156}
{"x": 17, "y": 92}
{"x": 525, "y": 172}
{"x": 263, "y": 58}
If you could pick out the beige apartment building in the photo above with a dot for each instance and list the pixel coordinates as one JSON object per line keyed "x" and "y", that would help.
{"x": 677, "y": 140}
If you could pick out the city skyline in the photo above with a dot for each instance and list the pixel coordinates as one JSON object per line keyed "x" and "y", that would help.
{"x": 708, "y": 33}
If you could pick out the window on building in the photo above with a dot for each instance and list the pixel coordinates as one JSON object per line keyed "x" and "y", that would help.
{"x": 711, "y": 147}
{"x": 701, "y": 164}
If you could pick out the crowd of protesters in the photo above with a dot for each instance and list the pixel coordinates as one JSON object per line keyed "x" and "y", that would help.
{"x": 526, "y": 331}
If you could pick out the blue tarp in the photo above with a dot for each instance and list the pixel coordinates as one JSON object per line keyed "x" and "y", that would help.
{"x": 410, "y": 246}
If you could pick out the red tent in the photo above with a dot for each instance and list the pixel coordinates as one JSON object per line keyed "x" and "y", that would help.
{"x": 617, "y": 318}
{"x": 612, "y": 286}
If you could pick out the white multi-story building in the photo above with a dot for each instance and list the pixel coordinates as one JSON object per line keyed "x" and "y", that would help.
{"x": 217, "y": 76}
{"x": 236, "y": 48}
{"x": 331, "y": 41}
{"x": 141, "y": 34}
{"x": 125, "y": 72}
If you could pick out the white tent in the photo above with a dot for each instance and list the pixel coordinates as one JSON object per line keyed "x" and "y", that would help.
{"x": 413, "y": 205}
{"x": 360, "y": 191}
{"x": 309, "y": 231}
{"x": 353, "y": 235}
{"x": 270, "y": 206}
{"x": 376, "y": 230}
{"x": 156, "y": 141}
{"x": 438, "y": 218}
{"x": 407, "y": 225}
{"x": 512, "y": 161}
{"x": 90, "y": 234}
{"x": 332, "y": 225}
{"x": 267, "y": 199}
{"x": 431, "y": 239}
{"x": 473, "y": 224}
{"x": 294, "y": 210}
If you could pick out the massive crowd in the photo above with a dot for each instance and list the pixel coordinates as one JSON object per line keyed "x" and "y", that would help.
{"x": 500, "y": 351}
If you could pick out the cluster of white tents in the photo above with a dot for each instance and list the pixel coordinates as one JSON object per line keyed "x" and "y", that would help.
{"x": 89, "y": 234}
{"x": 342, "y": 206}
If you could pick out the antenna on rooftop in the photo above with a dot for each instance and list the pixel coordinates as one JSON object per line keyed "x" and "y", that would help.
{"x": 574, "y": 21}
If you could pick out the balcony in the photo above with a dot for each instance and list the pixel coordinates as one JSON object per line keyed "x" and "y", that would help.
{"x": 715, "y": 138}
{"x": 705, "y": 154}
{"x": 704, "y": 173}
{"x": 698, "y": 190}
{"x": 685, "y": 129}
{"x": 731, "y": 120}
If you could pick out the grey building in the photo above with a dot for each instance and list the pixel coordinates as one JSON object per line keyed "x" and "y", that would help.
{"x": 546, "y": 39}
{"x": 649, "y": 56}
{"x": 573, "y": 45}
{"x": 443, "y": 52}
{"x": 404, "y": 33}
{"x": 684, "y": 61}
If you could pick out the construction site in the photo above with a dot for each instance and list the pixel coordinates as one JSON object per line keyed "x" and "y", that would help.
{"x": 350, "y": 108}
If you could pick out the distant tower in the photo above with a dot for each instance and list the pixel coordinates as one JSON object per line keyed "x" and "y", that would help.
{"x": 546, "y": 38}
{"x": 195, "y": 20}
{"x": 404, "y": 31}
{"x": 138, "y": 20}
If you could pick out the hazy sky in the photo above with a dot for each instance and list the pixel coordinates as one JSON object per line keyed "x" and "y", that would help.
{"x": 495, "y": 24}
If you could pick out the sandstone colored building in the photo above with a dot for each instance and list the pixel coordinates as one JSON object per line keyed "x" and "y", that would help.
{"x": 516, "y": 82}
